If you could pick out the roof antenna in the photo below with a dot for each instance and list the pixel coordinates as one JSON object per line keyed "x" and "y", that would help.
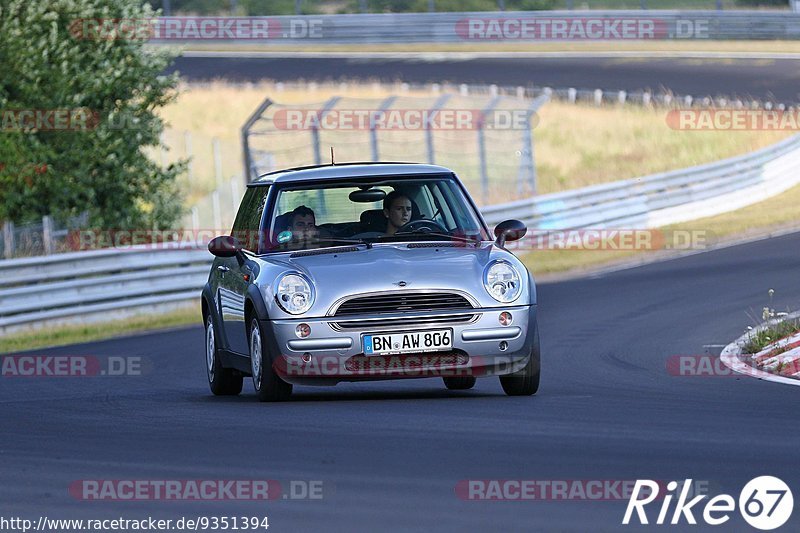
{"x": 333, "y": 162}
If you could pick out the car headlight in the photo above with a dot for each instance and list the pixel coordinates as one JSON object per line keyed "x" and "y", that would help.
{"x": 294, "y": 293}
{"x": 502, "y": 282}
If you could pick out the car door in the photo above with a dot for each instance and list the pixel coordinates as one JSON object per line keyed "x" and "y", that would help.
{"x": 235, "y": 274}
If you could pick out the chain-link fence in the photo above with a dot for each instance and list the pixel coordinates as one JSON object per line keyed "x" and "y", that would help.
{"x": 485, "y": 137}
{"x": 39, "y": 238}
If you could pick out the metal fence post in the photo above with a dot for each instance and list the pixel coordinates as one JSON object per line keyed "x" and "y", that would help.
{"x": 437, "y": 105}
{"x": 527, "y": 167}
{"x": 47, "y": 235}
{"x": 8, "y": 239}
{"x": 216, "y": 210}
{"x": 572, "y": 95}
{"x": 217, "y": 161}
{"x": 250, "y": 169}
{"x": 482, "y": 149}
{"x": 373, "y": 126}
{"x": 234, "y": 194}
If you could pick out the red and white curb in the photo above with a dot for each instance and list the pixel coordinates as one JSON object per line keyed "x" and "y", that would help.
{"x": 778, "y": 362}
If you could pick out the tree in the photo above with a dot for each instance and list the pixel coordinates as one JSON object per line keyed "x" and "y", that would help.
{"x": 110, "y": 90}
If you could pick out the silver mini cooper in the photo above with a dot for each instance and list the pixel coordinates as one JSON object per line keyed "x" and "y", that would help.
{"x": 364, "y": 272}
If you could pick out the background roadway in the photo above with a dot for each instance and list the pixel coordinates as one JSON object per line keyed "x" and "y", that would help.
{"x": 776, "y": 79}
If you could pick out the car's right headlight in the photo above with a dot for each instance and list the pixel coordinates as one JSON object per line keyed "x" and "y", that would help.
{"x": 502, "y": 281}
{"x": 294, "y": 293}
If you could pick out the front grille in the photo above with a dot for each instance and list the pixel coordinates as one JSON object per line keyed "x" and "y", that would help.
{"x": 402, "y": 302}
{"x": 402, "y": 322}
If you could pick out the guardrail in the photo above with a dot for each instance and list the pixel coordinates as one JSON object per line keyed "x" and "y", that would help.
{"x": 662, "y": 199}
{"x": 98, "y": 284}
{"x": 87, "y": 285}
{"x": 523, "y": 26}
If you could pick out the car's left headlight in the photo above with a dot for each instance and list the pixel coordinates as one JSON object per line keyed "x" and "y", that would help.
{"x": 502, "y": 281}
{"x": 295, "y": 294}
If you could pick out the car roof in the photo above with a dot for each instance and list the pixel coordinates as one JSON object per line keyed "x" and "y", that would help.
{"x": 348, "y": 170}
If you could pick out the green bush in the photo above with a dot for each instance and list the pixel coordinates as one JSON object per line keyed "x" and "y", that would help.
{"x": 103, "y": 170}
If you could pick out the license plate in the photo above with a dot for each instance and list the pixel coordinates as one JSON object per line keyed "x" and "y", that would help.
{"x": 408, "y": 342}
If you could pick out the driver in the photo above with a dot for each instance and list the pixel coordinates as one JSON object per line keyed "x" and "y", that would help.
{"x": 397, "y": 209}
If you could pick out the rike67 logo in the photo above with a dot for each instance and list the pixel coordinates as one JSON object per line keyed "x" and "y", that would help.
{"x": 765, "y": 503}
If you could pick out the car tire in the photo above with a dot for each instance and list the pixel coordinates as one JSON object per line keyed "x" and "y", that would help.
{"x": 269, "y": 386}
{"x": 459, "y": 382}
{"x": 222, "y": 381}
{"x": 525, "y": 382}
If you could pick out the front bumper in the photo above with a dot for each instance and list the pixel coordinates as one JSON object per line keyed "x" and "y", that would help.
{"x": 333, "y": 352}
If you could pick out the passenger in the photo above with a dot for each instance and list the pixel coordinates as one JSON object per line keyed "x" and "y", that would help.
{"x": 397, "y": 209}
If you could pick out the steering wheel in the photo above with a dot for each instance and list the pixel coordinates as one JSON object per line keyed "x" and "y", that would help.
{"x": 421, "y": 226}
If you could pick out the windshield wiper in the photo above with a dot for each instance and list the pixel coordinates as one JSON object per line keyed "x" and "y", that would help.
{"x": 346, "y": 241}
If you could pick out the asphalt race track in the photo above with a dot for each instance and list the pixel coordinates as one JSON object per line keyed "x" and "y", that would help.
{"x": 390, "y": 454}
{"x": 776, "y": 79}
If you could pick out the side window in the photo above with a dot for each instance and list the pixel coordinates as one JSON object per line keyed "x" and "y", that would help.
{"x": 248, "y": 219}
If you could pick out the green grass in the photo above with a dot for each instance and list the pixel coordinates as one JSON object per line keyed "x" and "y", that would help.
{"x": 767, "y": 336}
{"x": 63, "y": 335}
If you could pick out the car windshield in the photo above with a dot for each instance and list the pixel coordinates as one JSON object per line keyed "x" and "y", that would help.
{"x": 367, "y": 211}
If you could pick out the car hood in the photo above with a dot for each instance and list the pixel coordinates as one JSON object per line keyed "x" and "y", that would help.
{"x": 383, "y": 267}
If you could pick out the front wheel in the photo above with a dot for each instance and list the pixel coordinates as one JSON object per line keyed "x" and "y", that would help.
{"x": 222, "y": 381}
{"x": 269, "y": 386}
{"x": 525, "y": 382}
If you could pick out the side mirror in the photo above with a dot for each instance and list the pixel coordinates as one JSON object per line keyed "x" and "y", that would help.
{"x": 509, "y": 230}
{"x": 225, "y": 246}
